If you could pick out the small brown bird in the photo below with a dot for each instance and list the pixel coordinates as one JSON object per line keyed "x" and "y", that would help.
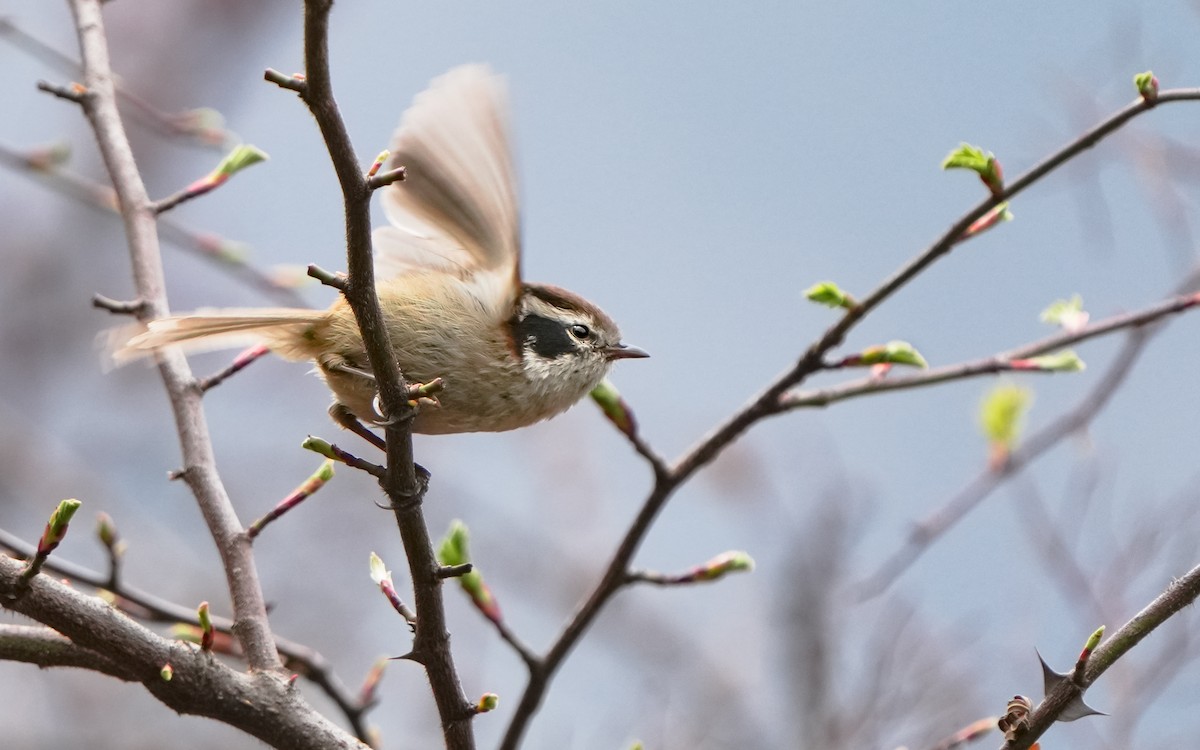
{"x": 449, "y": 283}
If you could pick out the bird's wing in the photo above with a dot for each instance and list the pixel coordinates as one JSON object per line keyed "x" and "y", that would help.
{"x": 456, "y": 210}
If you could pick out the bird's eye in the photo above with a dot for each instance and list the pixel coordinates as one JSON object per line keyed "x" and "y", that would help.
{"x": 580, "y": 331}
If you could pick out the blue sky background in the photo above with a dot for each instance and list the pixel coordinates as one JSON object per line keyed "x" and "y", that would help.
{"x": 692, "y": 168}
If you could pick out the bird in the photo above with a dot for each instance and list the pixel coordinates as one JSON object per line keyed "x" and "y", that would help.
{"x": 509, "y": 353}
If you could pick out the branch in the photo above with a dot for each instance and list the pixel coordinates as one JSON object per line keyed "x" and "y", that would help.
{"x": 767, "y": 403}
{"x": 44, "y": 164}
{"x": 1179, "y": 594}
{"x": 250, "y": 615}
{"x": 262, "y": 704}
{"x": 200, "y": 127}
{"x": 298, "y": 657}
{"x": 402, "y": 484}
{"x": 1004, "y": 361}
{"x": 40, "y": 645}
{"x": 929, "y": 530}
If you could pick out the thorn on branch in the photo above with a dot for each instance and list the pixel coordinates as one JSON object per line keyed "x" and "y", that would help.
{"x": 75, "y": 92}
{"x": 335, "y": 280}
{"x": 119, "y": 307}
{"x": 374, "y": 182}
{"x": 295, "y": 82}
{"x": 455, "y": 571}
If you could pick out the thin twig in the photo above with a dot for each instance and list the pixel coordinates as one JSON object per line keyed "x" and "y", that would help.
{"x": 989, "y": 365}
{"x": 197, "y": 127}
{"x": 935, "y": 525}
{"x": 73, "y": 93}
{"x": 228, "y": 255}
{"x": 239, "y": 363}
{"x": 118, "y": 307}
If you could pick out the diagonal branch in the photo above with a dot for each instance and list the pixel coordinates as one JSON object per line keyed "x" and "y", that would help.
{"x": 1179, "y": 594}
{"x": 767, "y": 403}
{"x": 969, "y": 497}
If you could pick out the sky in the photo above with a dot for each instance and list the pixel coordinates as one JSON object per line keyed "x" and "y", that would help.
{"x": 692, "y": 168}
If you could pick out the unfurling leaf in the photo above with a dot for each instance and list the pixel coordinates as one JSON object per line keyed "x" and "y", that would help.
{"x": 893, "y": 352}
{"x": 982, "y": 163}
{"x": 452, "y": 552}
{"x": 829, "y": 294}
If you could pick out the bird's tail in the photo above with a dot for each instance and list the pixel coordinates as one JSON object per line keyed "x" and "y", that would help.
{"x": 286, "y": 331}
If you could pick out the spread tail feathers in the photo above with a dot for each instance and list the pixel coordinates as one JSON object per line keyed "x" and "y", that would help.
{"x": 281, "y": 329}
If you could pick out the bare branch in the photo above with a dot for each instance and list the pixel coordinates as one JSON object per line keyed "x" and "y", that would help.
{"x": 262, "y": 703}
{"x": 250, "y": 615}
{"x": 200, "y": 127}
{"x": 143, "y": 605}
{"x": 40, "y": 645}
{"x": 403, "y": 484}
{"x": 44, "y": 164}
{"x": 118, "y": 307}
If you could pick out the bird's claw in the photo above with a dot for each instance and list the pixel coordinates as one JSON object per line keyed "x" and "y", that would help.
{"x": 419, "y": 394}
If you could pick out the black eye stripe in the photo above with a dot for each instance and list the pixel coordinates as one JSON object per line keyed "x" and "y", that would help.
{"x": 545, "y": 336}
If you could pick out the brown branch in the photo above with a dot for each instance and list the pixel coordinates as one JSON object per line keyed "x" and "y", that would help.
{"x": 40, "y": 645}
{"x": 767, "y": 403}
{"x": 118, "y": 307}
{"x": 146, "y": 606}
{"x": 73, "y": 93}
{"x": 261, "y": 703}
{"x": 251, "y": 627}
{"x": 402, "y": 484}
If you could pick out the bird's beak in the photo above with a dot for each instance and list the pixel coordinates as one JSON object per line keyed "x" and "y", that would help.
{"x": 622, "y": 351}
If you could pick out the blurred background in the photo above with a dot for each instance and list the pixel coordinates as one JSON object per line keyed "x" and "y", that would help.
{"x": 692, "y": 170}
